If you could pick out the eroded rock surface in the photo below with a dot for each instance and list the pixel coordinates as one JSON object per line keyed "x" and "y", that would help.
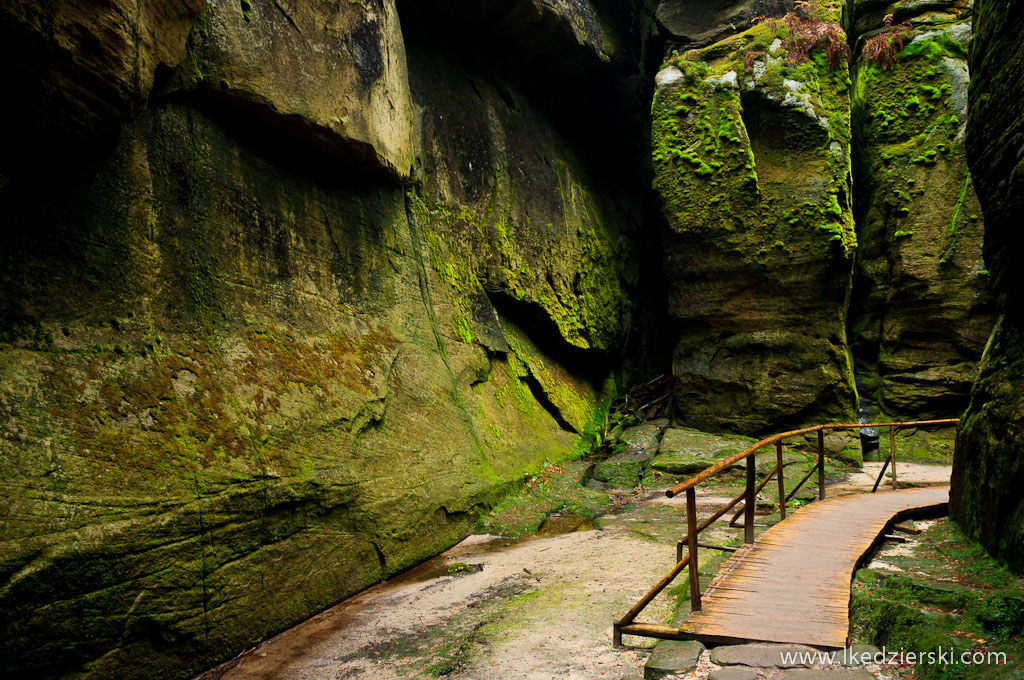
{"x": 77, "y": 70}
{"x": 291, "y": 327}
{"x": 987, "y": 468}
{"x": 331, "y": 75}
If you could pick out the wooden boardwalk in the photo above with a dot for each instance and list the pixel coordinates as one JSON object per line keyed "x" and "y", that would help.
{"x": 793, "y": 584}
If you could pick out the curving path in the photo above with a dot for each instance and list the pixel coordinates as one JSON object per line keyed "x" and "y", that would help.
{"x": 793, "y": 584}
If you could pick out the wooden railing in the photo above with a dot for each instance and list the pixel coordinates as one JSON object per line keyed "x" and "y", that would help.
{"x": 627, "y": 624}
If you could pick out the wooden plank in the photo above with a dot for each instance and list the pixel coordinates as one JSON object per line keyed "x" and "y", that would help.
{"x": 793, "y": 584}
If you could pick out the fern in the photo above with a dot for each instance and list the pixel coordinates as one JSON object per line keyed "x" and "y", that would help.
{"x": 808, "y": 32}
{"x": 883, "y": 49}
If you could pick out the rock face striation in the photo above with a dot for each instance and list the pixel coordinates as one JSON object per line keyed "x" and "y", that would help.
{"x": 988, "y": 470}
{"x": 306, "y": 294}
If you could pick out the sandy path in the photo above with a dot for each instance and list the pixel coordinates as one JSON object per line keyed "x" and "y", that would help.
{"x": 538, "y": 608}
{"x": 920, "y": 474}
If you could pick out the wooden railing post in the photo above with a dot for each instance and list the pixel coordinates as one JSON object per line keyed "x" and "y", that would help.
{"x": 691, "y": 538}
{"x": 821, "y": 465}
{"x": 892, "y": 453}
{"x": 748, "y": 507}
{"x": 782, "y": 483}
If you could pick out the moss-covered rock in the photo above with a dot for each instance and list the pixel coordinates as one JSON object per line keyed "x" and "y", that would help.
{"x": 631, "y": 451}
{"x": 988, "y": 468}
{"x": 752, "y": 165}
{"x": 921, "y": 311}
{"x": 241, "y": 387}
{"x": 686, "y": 452}
{"x": 624, "y": 470}
{"x": 514, "y": 214}
{"x": 554, "y": 489}
{"x": 942, "y": 593}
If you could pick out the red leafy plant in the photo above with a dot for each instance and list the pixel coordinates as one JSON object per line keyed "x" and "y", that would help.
{"x": 807, "y": 32}
{"x": 884, "y": 47}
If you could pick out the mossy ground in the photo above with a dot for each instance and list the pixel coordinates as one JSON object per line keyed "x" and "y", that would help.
{"x": 917, "y": 446}
{"x": 948, "y": 593}
{"x": 554, "y": 489}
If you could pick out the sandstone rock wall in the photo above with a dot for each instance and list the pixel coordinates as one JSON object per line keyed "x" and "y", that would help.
{"x": 801, "y": 250}
{"x": 988, "y": 470}
{"x": 300, "y": 312}
{"x": 78, "y": 69}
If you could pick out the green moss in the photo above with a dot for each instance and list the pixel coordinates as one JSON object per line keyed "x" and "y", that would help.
{"x": 891, "y": 98}
{"x": 948, "y": 594}
{"x": 934, "y": 47}
{"x": 498, "y": 244}
{"x": 954, "y": 230}
{"x": 705, "y": 166}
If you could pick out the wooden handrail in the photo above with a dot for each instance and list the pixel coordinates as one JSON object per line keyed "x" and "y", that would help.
{"x": 736, "y": 457}
{"x": 627, "y": 623}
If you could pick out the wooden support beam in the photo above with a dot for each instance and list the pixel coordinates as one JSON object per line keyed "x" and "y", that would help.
{"x": 821, "y": 465}
{"x": 782, "y": 484}
{"x": 691, "y": 533}
{"x": 748, "y": 515}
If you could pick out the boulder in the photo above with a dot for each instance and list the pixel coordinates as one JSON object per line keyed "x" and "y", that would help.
{"x": 761, "y": 655}
{"x": 672, "y": 657}
{"x": 624, "y": 470}
{"x": 685, "y": 452}
{"x": 701, "y": 23}
{"x": 645, "y": 437}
